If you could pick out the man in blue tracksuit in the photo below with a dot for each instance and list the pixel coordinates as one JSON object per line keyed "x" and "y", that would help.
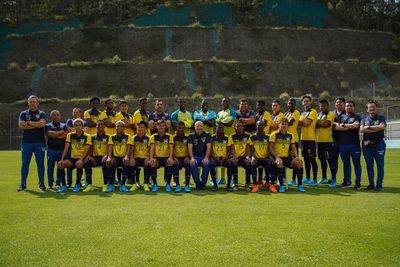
{"x": 32, "y": 121}
{"x": 349, "y": 144}
{"x": 56, "y": 134}
{"x": 339, "y": 113}
{"x": 374, "y": 147}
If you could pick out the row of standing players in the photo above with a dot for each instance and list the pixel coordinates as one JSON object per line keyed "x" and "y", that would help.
{"x": 273, "y": 146}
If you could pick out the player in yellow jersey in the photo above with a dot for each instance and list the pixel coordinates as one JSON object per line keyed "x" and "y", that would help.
{"x": 293, "y": 116}
{"x": 126, "y": 117}
{"x": 282, "y": 147}
{"x": 108, "y": 116}
{"x": 220, "y": 155}
{"x": 140, "y": 156}
{"x": 119, "y": 147}
{"x": 142, "y": 114}
{"x": 308, "y": 120}
{"x": 80, "y": 144}
{"x": 98, "y": 156}
{"x": 183, "y": 115}
{"x": 240, "y": 150}
{"x": 324, "y": 126}
{"x": 91, "y": 116}
{"x": 265, "y": 116}
{"x": 161, "y": 155}
{"x": 227, "y": 116}
{"x": 276, "y": 115}
{"x": 260, "y": 154}
{"x": 181, "y": 157}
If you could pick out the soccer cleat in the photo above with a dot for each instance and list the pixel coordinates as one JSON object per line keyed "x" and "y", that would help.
{"x": 211, "y": 183}
{"x": 221, "y": 181}
{"x": 62, "y": 189}
{"x": 123, "y": 189}
{"x": 292, "y": 182}
{"x": 370, "y": 187}
{"x": 146, "y": 187}
{"x": 300, "y": 188}
{"x": 272, "y": 189}
{"x": 332, "y": 184}
{"x": 154, "y": 188}
{"x": 167, "y": 188}
{"x": 133, "y": 187}
{"x": 306, "y": 180}
{"x": 282, "y": 189}
{"x": 138, "y": 185}
{"x": 357, "y": 186}
{"x": 247, "y": 187}
{"x": 88, "y": 188}
{"x": 76, "y": 188}
{"x": 203, "y": 187}
{"x": 187, "y": 188}
{"x": 313, "y": 183}
{"x": 215, "y": 188}
{"x": 178, "y": 188}
{"x": 323, "y": 181}
{"x": 42, "y": 188}
{"x": 265, "y": 184}
{"x": 57, "y": 187}
{"x": 235, "y": 188}
{"x": 344, "y": 185}
{"x": 21, "y": 188}
{"x": 110, "y": 188}
{"x": 378, "y": 189}
{"x": 255, "y": 188}
{"x": 104, "y": 188}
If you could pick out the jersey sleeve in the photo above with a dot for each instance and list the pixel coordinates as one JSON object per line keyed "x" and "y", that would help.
{"x": 212, "y": 115}
{"x": 130, "y": 140}
{"x": 250, "y": 142}
{"x": 296, "y": 115}
{"x": 110, "y": 141}
{"x": 190, "y": 139}
{"x": 137, "y": 116}
{"x": 313, "y": 115}
{"x": 170, "y": 139}
{"x": 331, "y": 117}
{"x": 151, "y": 140}
{"x": 68, "y": 139}
{"x": 230, "y": 140}
{"x": 103, "y": 115}
{"x": 42, "y": 115}
{"x": 22, "y": 116}
{"x": 86, "y": 115}
{"x": 89, "y": 140}
{"x": 272, "y": 137}
{"x": 208, "y": 138}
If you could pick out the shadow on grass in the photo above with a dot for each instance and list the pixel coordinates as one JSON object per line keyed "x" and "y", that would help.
{"x": 311, "y": 191}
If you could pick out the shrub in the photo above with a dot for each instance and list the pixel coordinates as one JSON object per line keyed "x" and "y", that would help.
{"x": 13, "y": 66}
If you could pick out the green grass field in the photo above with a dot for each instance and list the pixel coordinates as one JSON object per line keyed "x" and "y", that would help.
{"x": 321, "y": 227}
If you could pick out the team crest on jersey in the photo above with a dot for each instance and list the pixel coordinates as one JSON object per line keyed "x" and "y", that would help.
{"x": 224, "y": 141}
{"x": 104, "y": 140}
{"x": 124, "y": 140}
{"x": 37, "y": 116}
{"x": 203, "y": 139}
{"x": 82, "y": 141}
{"x": 245, "y": 139}
{"x": 377, "y": 122}
{"x": 145, "y": 141}
{"x": 288, "y": 138}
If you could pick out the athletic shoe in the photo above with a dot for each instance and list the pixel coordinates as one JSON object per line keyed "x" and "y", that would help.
{"x": 357, "y": 186}
{"x": 57, "y": 187}
{"x": 187, "y": 189}
{"x": 167, "y": 188}
{"x": 221, "y": 181}
{"x": 229, "y": 189}
{"x": 104, "y": 188}
{"x": 42, "y": 187}
{"x": 323, "y": 181}
{"x": 306, "y": 180}
{"x": 76, "y": 188}
{"x": 116, "y": 182}
{"x": 235, "y": 188}
{"x": 301, "y": 188}
{"x": 138, "y": 185}
{"x": 282, "y": 189}
{"x": 178, "y": 188}
{"x": 260, "y": 182}
{"x": 146, "y": 188}
{"x": 265, "y": 184}
{"x": 344, "y": 185}
{"x": 211, "y": 183}
{"x": 154, "y": 188}
{"x": 133, "y": 187}
{"x": 62, "y": 189}
{"x": 313, "y": 183}
{"x": 110, "y": 188}
{"x": 332, "y": 184}
{"x": 272, "y": 188}
{"x": 378, "y": 189}
{"x": 215, "y": 188}
{"x": 88, "y": 188}
{"x": 123, "y": 189}
{"x": 292, "y": 183}
{"x": 173, "y": 184}
{"x": 203, "y": 187}
{"x": 247, "y": 187}
{"x": 255, "y": 188}
{"x": 21, "y": 188}
{"x": 370, "y": 187}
